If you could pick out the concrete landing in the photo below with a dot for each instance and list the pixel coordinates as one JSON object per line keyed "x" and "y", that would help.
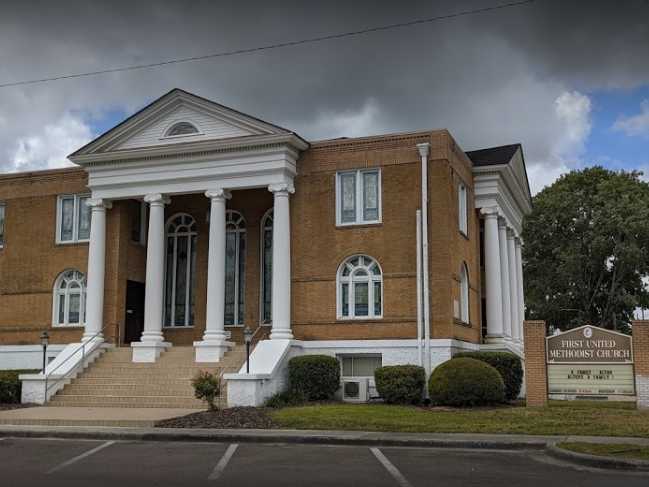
{"x": 90, "y": 416}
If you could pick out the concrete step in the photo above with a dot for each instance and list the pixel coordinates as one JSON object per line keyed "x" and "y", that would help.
{"x": 86, "y": 400}
{"x": 185, "y": 390}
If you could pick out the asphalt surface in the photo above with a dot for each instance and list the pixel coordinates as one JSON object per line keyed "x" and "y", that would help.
{"x": 100, "y": 463}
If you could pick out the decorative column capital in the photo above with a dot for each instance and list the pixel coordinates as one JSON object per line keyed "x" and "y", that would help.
{"x": 511, "y": 234}
{"x": 502, "y": 222}
{"x": 99, "y": 204}
{"x": 283, "y": 189}
{"x": 490, "y": 212}
{"x": 424, "y": 149}
{"x": 157, "y": 199}
{"x": 218, "y": 194}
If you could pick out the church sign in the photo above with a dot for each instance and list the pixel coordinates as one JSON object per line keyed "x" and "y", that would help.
{"x": 590, "y": 360}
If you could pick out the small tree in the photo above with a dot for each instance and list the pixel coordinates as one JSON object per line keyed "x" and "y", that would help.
{"x": 207, "y": 387}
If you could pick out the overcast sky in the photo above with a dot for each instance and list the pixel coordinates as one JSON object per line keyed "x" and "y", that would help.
{"x": 568, "y": 79}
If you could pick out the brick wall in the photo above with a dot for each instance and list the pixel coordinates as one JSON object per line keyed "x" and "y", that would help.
{"x": 641, "y": 359}
{"x": 536, "y": 379}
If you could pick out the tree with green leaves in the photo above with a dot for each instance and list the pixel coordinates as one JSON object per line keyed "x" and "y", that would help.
{"x": 587, "y": 250}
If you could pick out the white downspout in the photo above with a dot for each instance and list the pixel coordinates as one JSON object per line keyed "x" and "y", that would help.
{"x": 419, "y": 286}
{"x": 424, "y": 150}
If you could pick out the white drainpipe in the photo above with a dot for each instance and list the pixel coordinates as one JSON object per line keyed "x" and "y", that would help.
{"x": 419, "y": 286}
{"x": 424, "y": 150}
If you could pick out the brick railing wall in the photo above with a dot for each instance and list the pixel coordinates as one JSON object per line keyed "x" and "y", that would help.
{"x": 536, "y": 376}
{"x": 641, "y": 362}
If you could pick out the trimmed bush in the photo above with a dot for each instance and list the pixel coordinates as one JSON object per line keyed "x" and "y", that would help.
{"x": 400, "y": 384}
{"x": 207, "y": 387}
{"x": 466, "y": 382}
{"x": 10, "y": 386}
{"x": 508, "y": 366}
{"x": 314, "y": 377}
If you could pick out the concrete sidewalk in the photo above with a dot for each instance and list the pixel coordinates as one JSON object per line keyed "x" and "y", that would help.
{"x": 438, "y": 440}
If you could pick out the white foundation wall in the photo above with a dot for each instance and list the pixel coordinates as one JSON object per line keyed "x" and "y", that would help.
{"x": 26, "y": 357}
{"x": 269, "y": 362}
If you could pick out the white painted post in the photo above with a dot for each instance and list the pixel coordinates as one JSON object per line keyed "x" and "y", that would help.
{"x": 281, "y": 295}
{"x": 493, "y": 276}
{"x": 504, "y": 277}
{"x": 96, "y": 270}
{"x": 521, "y": 292}
{"x": 513, "y": 286}
{"x": 152, "y": 343}
{"x": 214, "y": 344}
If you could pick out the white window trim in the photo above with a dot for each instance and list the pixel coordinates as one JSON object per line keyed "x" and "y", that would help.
{"x": 262, "y": 226}
{"x": 3, "y": 236}
{"x": 370, "y": 291}
{"x": 355, "y": 356}
{"x": 465, "y": 295}
{"x": 55, "y": 302}
{"x": 463, "y": 209}
{"x": 75, "y": 219}
{"x": 359, "y": 198}
{"x": 240, "y": 230}
{"x": 165, "y": 323}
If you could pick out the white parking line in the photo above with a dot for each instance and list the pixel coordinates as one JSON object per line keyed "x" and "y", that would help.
{"x": 392, "y": 470}
{"x": 223, "y": 462}
{"x": 80, "y": 457}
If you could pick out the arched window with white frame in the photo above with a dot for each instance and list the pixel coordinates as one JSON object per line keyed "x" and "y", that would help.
{"x": 180, "y": 270}
{"x": 266, "y": 266}
{"x": 360, "y": 288}
{"x": 69, "y": 299}
{"x": 464, "y": 293}
{"x": 235, "y": 261}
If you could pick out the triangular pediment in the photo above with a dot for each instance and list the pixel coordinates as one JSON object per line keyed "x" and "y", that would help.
{"x": 153, "y": 126}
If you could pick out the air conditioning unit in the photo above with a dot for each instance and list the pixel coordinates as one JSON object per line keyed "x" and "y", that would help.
{"x": 356, "y": 390}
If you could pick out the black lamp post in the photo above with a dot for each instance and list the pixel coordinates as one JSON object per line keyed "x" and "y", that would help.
{"x": 247, "y": 337}
{"x": 45, "y": 339}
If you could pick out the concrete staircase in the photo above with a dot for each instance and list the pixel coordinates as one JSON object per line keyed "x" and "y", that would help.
{"x": 115, "y": 381}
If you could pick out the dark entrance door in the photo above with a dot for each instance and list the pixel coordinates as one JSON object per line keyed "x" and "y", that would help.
{"x": 134, "y": 320}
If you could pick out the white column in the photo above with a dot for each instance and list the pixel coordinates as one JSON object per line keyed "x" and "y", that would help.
{"x": 513, "y": 285}
{"x": 504, "y": 278}
{"x": 96, "y": 270}
{"x": 214, "y": 344}
{"x": 281, "y": 295}
{"x": 521, "y": 292}
{"x": 493, "y": 277}
{"x": 152, "y": 343}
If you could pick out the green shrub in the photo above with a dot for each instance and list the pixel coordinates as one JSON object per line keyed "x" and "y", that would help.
{"x": 314, "y": 377}
{"x": 400, "y": 384}
{"x": 10, "y": 385}
{"x": 508, "y": 366}
{"x": 207, "y": 387}
{"x": 285, "y": 399}
{"x": 466, "y": 382}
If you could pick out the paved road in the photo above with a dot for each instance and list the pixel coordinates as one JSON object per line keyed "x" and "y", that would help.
{"x": 72, "y": 463}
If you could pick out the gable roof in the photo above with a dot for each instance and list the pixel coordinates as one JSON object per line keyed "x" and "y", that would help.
{"x": 170, "y": 99}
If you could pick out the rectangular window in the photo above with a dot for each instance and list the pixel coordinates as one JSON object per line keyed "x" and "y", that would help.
{"x": 138, "y": 223}
{"x": 360, "y": 366}
{"x": 73, "y": 219}
{"x": 358, "y": 197}
{"x": 2, "y": 225}
{"x": 463, "y": 216}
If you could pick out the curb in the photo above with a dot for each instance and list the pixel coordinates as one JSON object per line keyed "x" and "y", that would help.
{"x": 596, "y": 461}
{"x": 230, "y": 436}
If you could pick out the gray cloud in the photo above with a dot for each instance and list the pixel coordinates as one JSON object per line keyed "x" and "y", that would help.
{"x": 491, "y": 78}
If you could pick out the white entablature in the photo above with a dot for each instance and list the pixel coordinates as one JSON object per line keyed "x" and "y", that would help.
{"x": 226, "y": 149}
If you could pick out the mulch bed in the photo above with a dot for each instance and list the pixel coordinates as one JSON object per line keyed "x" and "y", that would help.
{"x": 8, "y": 407}
{"x": 242, "y": 417}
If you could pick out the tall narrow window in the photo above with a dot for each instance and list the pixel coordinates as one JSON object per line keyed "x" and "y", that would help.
{"x": 358, "y": 197}
{"x": 266, "y": 266}
{"x": 73, "y": 219}
{"x": 180, "y": 270}
{"x": 2, "y": 225}
{"x": 138, "y": 222}
{"x": 69, "y": 299}
{"x": 463, "y": 216}
{"x": 360, "y": 289}
{"x": 464, "y": 294}
{"x": 235, "y": 257}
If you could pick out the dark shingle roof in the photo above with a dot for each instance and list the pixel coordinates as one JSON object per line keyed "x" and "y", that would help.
{"x": 493, "y": 155}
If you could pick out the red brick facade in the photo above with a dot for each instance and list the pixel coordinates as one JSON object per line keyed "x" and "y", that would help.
{"x": 536, "y": 372}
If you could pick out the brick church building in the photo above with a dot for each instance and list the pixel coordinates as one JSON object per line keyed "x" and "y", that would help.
{"x": 191, "y": 222}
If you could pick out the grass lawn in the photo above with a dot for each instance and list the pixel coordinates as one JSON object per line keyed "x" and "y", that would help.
{"x": 612, "y": 450}
{"x": 559, "y": 418}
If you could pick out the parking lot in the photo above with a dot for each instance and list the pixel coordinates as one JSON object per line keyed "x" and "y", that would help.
{"x": 99, "y": 463}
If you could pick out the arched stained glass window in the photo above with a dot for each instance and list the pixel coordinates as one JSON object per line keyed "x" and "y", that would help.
{"x": 360, "y": 288}
{"x": 180, "y": 270}
{"x": 235, "y": 259}
{"x": 70, "y": 299}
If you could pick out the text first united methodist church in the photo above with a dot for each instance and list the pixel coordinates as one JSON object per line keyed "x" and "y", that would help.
{"x": 190, "y": 222}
